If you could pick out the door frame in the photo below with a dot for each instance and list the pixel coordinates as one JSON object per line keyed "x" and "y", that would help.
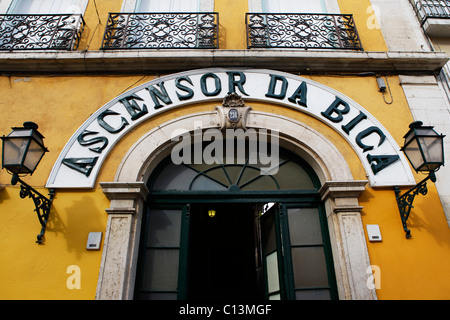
{"x": 311, "y": 199}
{"x": 285, "y": 199}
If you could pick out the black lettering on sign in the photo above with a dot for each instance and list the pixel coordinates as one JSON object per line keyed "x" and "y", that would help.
{"x": 274, "y": 79}
{"x": 157, "y": 95}
{"x": 300, "y": 95}
{"x": 101, "y": 121}
{"x": 189, "y": 92}
{"x": 334, "y": 113}
{"x": 366, "y": 133}
{"x": 233, "y": 83}
{"x": 217, "y": 84}
{"x": 83, "y": 165}
{"x": 83, "y": 142}
{"x": 379, "y": 162}
{"x": 132, "y": 107}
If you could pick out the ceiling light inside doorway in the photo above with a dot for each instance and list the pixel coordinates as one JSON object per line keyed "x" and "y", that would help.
{"x": 212, "y": 213}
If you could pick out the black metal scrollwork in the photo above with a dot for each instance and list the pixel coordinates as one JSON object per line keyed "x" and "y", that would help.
{"x": 405, "y": 201}
{"x": 42, "y": 203}
{"x": 431, "y": 9}
{"x": 161, "y": 31}
{"x": 302, "y": 30}
{"x": 38, "y": 32}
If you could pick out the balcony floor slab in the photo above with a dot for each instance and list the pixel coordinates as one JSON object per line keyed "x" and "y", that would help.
{"x": 165, "y": 61}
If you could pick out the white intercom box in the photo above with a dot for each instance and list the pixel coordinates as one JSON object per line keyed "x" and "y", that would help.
{"x": 373, "y": 232}
{"x": 94, "y": 240}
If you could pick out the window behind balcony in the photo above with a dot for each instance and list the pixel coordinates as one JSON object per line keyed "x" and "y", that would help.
{"x": 47, "y": 6}
{"x": 306, "y": 24}
{"x": 167, "y": 6}
{"x": 163, "y": 24}
{"x": 292, "y": 6}
{"x": 296, "y": 6}
{"x": 434, "y": 16}
{"x": 42, "y": 25}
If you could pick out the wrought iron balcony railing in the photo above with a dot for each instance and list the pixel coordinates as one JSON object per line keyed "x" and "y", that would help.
{"x": 439, "y": 9}
{"x": 40, "y": 31}
{"x": 302, "y": 31}
{"x": 162, "y": 31}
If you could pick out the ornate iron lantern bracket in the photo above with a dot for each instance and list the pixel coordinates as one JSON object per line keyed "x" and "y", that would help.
{"x": 405, "y": 200}
{"x": 41, "y": 202}
{"x": 22, "y": 151}
{"x": 424, "y": 148}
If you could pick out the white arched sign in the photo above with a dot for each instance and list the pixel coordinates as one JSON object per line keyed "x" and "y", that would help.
{"x": 81, "y": 159}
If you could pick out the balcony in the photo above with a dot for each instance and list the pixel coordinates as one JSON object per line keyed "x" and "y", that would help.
{"x": 40, "y": 32}
{"x": 161, "y": 31}
{"x": 434, "y": 16}
{"x": 302, "y": 31}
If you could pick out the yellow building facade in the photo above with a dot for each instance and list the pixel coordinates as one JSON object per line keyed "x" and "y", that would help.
{"x": 324, "y": 106}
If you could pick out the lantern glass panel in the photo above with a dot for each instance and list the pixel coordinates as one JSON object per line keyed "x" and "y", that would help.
{"x": 19, "y": 132}
{"x": 419, "y": 131}
{"x": 39, "y": 138}
{"x": 409, "y": 136}
{"x": 34, "y": 155}
{"x": 14, "y": 150}
{"x": 432, "y": 152}
{"x": 425, "y": 131}
{"x": 414, "y": 154}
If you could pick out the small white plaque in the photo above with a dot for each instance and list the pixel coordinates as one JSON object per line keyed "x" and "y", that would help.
{"x": 94, "y": 240}
{"x": 373, "y": 232}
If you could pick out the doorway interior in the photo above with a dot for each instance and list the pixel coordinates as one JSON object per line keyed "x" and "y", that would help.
{"x": 224, "y": 256}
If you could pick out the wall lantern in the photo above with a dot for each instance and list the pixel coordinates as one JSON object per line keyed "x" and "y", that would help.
{"x": 23, "y": 149}
{"x": 424, "y": 148}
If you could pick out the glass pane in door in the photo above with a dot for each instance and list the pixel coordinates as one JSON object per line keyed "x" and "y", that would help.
{"x": 162, "y": 261}
{"x": 271, "y": 254}
{"x": 309, "y": 266}
{"x": 273, "y": 282}
{"x": 307, "y": 254}
{"x": 165, "y": 227}
{"x": 316, "y": 294}
{"x": 161, "y": 270}
{"x": 304, "y": 226}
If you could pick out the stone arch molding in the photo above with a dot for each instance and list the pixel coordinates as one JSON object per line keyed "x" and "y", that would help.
{"x": 339, "y": 191}
{"x": 81, "y": 159}
{"x": 320, "y": 153}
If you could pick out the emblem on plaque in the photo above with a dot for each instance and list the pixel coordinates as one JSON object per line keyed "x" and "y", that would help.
{"x": 233, "y": 112}
{"x": 233, "y": 115}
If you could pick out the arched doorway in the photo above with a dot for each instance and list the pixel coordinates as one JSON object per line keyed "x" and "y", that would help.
{"x": 224, "y": 230}
{"x": 129, "y": 194}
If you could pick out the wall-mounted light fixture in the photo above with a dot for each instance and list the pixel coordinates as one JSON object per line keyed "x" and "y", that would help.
{"x": 424, "y": 148}
{"x": 22, "y": 151}
{"x": 211, "y": 213}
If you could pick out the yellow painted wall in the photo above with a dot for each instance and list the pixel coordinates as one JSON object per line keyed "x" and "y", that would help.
{"x": 59, "y": 105}
{"x": 410, "y": 269}
{"x": 32, "y": 271}
{"x": 96, "y": 18}
{"x": 232, "y": 23}
{"x": 68, "y": 101}
{"x": 366, "y": 23}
